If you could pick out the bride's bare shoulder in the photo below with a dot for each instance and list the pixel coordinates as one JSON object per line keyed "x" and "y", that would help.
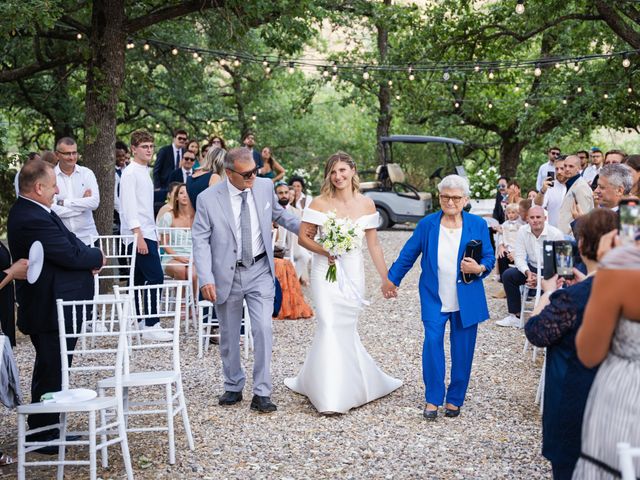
{"x": 365, "y": 204}
{"x": 319, "y": 203}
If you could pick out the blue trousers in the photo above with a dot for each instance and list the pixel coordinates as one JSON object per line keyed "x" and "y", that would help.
{"x": 463, "y": 342}
{"x": 148, "y": 271}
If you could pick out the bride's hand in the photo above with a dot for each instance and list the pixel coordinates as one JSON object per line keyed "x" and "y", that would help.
{"x": 331, "y": 259}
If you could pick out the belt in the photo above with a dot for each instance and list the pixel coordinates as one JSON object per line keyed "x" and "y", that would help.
{"x": 255, "y": 259}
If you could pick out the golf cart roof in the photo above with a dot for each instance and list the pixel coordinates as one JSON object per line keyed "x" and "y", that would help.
{"x": 420, "y": 139}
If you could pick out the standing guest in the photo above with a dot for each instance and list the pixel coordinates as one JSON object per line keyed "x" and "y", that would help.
{"x": 513, "y": 192}
{"x": 614, "y": 182}
{"x": 270, "y": 167}
{"x": 528, "y": 259}
{"x": 441, "y": 238}
{"x": 554, "y": 324}
{"x": 507, "y": 240}
{"x": 633, "y": 162}
{"x": 217, "y": 142}
{"x": 210, "y": 172}
{"x": 302, "y": 199}
{"x": 168, "y": 159}
{"x": 193, "y": 146}
{"x": 203, "y": 153}
{"x": 183, "y": 173}
{"x": 136, "y": 194}
{"x": 8, "y": 273}
{"x": 583, "y": 155}
{"x": 502, "y": 200}
{"x": 552, "y": 193}
{"x": 244, "y": 273}
{"x": 579, "y": 195}
{"x": 591, "y": 172}
{"x": 30, "y": 156}
{"x": 552, "y": 154}
{"x": 122, "y": 152}
{"x": 249, "y": 141}
{"x": 610, "y": 337}
{"x": 49, "y": 157}
{"x": 181, "y": 216}
{"x": 67, "y": 273}
{"x": 78, "y": 194}
{"x": 614, "y": 156}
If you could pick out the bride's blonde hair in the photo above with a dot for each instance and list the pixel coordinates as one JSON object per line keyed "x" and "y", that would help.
{"x": 327, "y": 188}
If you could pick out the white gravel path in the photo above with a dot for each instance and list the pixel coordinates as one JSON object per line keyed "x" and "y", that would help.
{"x": 496, "y": 436}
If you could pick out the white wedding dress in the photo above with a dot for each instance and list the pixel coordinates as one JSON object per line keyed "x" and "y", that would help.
{"x": 338, "y": 373}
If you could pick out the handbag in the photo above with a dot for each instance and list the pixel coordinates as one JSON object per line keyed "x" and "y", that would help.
{"x": 473, "y": 249}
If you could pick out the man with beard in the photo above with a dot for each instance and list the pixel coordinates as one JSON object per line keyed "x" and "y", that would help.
{"x": 552, "y": 193}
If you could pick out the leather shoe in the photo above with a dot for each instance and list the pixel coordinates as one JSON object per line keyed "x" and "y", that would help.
{"x": 263, "y": 404}
{"x": 448, "y": 412}
{"x": 230, "y": 398}
{"x": 430, "y": 415}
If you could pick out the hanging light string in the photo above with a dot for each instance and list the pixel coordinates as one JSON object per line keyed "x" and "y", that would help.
{"x": 446, "y": 68}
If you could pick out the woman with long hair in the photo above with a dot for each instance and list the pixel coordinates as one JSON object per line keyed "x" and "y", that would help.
{"x": 211, "y": 171}
{"x": 270, "y": 166}
{"x": 338, "y": 373}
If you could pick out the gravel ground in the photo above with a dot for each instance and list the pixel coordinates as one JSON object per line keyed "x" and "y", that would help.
{"x": 496, "y": 436}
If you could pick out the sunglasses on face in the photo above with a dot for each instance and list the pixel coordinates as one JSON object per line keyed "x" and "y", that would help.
{"x": 189, "y": 159}
{"x": 181, "y": 139}
{"x": 246, "y": 175}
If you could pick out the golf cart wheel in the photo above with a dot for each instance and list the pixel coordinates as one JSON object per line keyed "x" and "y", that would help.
{"x": 385, "y": 221}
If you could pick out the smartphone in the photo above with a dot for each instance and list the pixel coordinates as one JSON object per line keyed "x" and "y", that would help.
{"x": 551, "y": 176}
{"x": 629, "y": 221}
{"x": 563, "y": 251}
{"x": 548, "y": 259}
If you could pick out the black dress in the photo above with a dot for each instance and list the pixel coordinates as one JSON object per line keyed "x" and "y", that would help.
{"x": 197, "y": 185}
{"x": 7, "y": 298}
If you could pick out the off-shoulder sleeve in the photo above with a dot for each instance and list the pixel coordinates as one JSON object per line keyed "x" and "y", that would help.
{"x": 313, "y": 216}
{"x": 370, "y": 221}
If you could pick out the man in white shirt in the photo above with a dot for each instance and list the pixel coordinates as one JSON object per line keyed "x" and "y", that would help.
{"x": 579, "y": 197}
{"x": 589, "y": 174}
{"x": 552, "y": 193}
{"x": 78, "y": 194}
{"x": 136, "y": 217}
{"x": 528, "y": 258}
{"x": 552, "y": 154}
{"x": 614, "y": 182}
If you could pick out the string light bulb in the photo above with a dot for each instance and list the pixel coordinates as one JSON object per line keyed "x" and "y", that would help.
{"x": 526, "y": 104}
{"x": 199, "y": 59}
{"x": 446, "y": 75}
{"x": 455, "y": 86}
{"x": 146, "y": 47}
{"x": 516, "y": 88}
{"x": 630, "y": 89}
{"x": 564, "y": 101}
{"x": 325, "y": 72}
{"x": 520, "y": 7}
{"x": 223, "y": 62}
{"x": 491, "y": 75}
{"x": 264, "y": 62}
{"x": 130, "y": 45}
{"x": 476, "y": 68}
{"x": 267, "y": 70}
{"x": 195, "y": 55}
{"x": 456, "y": 105}
{"x": 174, "y": 51}
{"x": 412, "y": 77}
{"x": 236, "y": 62}
{"x": 291, "y": 68}
{"x": 335, "y": 67}
{"x": 79, "y": 36}
{"x": 490, "y": 105}
{"x": 365, "y": 73}
{"x": 254, "y": 117}
{"x": 538, "y": 71}
{"x": 626, "y": 63}
{"x": 576, "y": 66}
{"x": 397, "y": 97}
{"x": 557, "y": 65}
{"x": 579, "y": 89}
{"x": 390, "y": 83}
{"x": 605, "y": 96}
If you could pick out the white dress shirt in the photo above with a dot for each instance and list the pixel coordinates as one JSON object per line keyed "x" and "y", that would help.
{"x": 257, "y": 244}
{"x": 448, "y": 267}
{"x": 529, "y": 248}
{"x": 136, "y": 201}
{"x": 542, "y": 173}
{"x": 510, "y": 233}
{"x": 303, "y": 198}
{"x": 590, "y": 173}
{"x": 186, "y": 174}
{"x": 75, "y": 210}
{"x": 552, "y": 201}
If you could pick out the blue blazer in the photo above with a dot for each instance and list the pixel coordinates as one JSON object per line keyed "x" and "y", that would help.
{"x": 163, "y": 167}
{"x": 471, "y": 297}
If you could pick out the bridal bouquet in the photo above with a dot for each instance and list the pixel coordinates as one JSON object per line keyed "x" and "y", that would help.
{"x": 339, "y": 236}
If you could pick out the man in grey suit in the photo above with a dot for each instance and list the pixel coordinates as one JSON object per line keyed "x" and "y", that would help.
{"x": 233, "y": 254}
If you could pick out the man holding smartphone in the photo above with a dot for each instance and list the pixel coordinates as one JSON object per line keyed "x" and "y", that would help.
{"x": 552, "y": 154}
{"x": 579, "y": 197}
{"x": 552, "y": 192}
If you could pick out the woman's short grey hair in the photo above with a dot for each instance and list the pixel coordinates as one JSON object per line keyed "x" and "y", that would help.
{"x": 618, "y": 175}
{"x": 455, "y": 182}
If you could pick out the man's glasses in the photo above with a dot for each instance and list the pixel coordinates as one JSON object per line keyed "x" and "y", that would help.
{"x": 146, "y": 147}
{"x": 446, "y": 199}
{"x": 189, "y": 159}
{"x": 181, "y": 139}
{"x": 246, "y": 175}
{"x": 67, "y": 154}
{"x": 555, "y": 154}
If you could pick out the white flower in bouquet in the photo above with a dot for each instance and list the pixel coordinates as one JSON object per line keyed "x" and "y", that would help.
{"x": 339, "y": 236}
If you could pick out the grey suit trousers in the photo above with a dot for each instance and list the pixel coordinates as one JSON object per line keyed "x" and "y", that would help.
{"x": 255, "y": 285}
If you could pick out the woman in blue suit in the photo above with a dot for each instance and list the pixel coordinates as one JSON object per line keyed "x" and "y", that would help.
{"x": 441, "y": 238}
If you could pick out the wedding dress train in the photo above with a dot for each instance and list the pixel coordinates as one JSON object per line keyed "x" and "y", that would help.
{"x": 338, "y": 373}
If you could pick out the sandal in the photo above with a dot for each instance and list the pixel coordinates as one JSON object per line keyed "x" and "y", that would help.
{"x": 5, "y": 460}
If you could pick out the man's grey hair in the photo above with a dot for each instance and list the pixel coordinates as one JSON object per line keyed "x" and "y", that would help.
{"x": 618, "y": 175}
{"x": 241, "y": 154}
{"x": 455, "y": 182}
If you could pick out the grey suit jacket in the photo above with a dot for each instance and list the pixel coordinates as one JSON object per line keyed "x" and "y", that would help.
{"x": 214, "y": 232}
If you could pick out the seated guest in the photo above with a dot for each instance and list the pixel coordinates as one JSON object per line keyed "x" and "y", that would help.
{"x": 8, "y": 273}
{"x": 270, "y": 166}
{"x": 176, "y": 263}
{"x": 523, "y": 209}
{"x": 210, "y": 172}
{"x": 554, "y": 324}
{"x": 185, "y": 170}
{"x": 610, "y": 337}
{"x": 168, "y": 206}
{"x": 507, "y": 239}
{"x": 294, "y": 305}
{"x": 614, "y": 182}
{"x": 528, "y": 258}
{"x": 531, "y": 195}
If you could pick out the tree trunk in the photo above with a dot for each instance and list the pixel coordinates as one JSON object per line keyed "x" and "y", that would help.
{"x": 510, "y": 151}
{"x": 105, "y": 74}
{"x": 384, "y": 91}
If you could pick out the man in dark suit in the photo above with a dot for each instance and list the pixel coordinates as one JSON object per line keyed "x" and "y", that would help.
{"x": 168, "y": 159}
{"x": 67, "y": 273}
{"x": 186, "y": 168}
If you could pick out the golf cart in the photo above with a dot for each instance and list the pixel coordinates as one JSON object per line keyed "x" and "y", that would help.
{"x": 397, "y": 201}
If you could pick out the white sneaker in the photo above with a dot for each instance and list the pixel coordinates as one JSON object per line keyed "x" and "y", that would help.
{"x": 509, "y": 321}
{"x": 155, "y": 333}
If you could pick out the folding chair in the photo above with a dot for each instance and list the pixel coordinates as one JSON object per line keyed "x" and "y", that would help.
{"x": 105, "y": 354}
{"x": 626, "y": 453}
{"x": 154, "y": 301}
{"x": 206, "y": 322}
{"x": 179, "y": 240}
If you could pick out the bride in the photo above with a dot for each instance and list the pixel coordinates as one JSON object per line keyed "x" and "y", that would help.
{"x": 338, "y": 373}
